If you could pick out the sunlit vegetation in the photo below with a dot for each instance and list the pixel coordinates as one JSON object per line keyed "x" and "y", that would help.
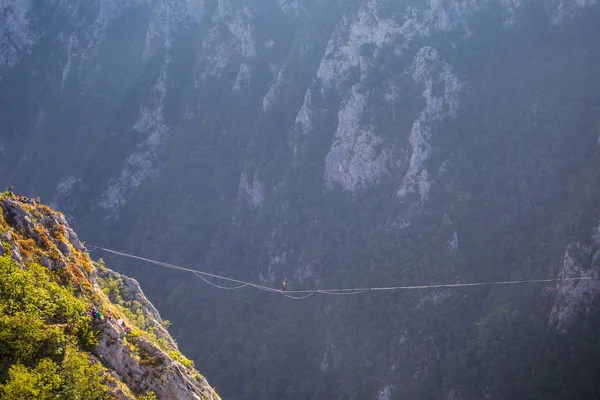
{"x": 141, "y": 322}
{"x": 44, "y": 335}
{"x": 47, "y": 336}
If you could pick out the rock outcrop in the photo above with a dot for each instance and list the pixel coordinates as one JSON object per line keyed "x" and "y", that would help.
{"x": 137, "y": 353}
{"x": 575, "y": 297}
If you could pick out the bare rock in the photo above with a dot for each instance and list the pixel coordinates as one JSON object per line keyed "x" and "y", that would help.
{"x": 112, "y": 331}
{"x": 574, "y": 297}
{"x": 73, "y": 239}
{"x": 132, "y": 292}
{"x": 16, "y": 255}
{"x": 45, "y": 262}
{"x": 18, "y": 218}
{"x": 143, "y": 366}
{"x": 64, "y": 248}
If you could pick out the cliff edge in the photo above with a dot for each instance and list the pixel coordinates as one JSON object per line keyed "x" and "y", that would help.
{"x": 72, "y": 328}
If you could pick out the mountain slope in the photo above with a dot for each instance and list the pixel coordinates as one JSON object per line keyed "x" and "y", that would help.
{"x": 51, "y": 344}
{"x": 340, "y": 144}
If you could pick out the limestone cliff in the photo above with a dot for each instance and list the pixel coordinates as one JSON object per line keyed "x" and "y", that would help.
{"x": 334, "y": 142}
{"x": 136, "y": 353}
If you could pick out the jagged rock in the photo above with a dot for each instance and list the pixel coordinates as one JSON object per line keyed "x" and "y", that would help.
{"x": 140, "y": 357}
{"x": 385, "y": 393}
{"x": 64, "y": 248}
{"x": 574, "y": 297}
{"x": 131, "y": 292}
{"x": 69, "y": 233}
{"x": 116, "y": 355}
{"x": 16, "y": 255}
{"x": 17, "y": 216}
{"x": 144, "y": 366}
{"x": 113, "y": 331}
{"x": 73, "y": 239}
{"x": 52, "y": 265}
{"x": 596, "y": 258}
{"x": 45, "y": 262}
{"x": 21, "y": 220}
{"x": 1, "y": 249}
{"x": 388, "y": 30}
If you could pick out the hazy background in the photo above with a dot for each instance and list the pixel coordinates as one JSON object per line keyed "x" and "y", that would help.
{"x": 340, "y": 144}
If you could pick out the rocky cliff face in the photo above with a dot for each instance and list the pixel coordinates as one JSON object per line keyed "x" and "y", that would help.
{"x": 335, "y": 142}
{"x": 375, "y": 54}
{"x": 574, "y": 298}
{"x": 136, "y": 352}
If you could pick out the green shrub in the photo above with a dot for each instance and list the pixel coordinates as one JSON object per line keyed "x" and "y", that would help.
{"x": 82, "y": 380}
{"x": 42, "y": 383}
{"x": 44, "y": 336}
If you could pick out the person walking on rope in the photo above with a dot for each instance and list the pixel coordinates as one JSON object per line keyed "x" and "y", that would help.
{"x": 284, "y": 285}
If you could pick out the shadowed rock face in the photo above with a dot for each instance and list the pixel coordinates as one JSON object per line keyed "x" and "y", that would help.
{"x": 139, "y": 359}
{"x": 165, "y": 45}
{"x": 575, "y": 298}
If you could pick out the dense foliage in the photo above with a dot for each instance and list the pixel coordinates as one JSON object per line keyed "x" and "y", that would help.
{"x": 44, "y": 331}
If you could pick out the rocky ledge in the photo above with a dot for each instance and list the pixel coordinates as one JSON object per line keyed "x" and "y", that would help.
{"x": 137, "y": 353}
